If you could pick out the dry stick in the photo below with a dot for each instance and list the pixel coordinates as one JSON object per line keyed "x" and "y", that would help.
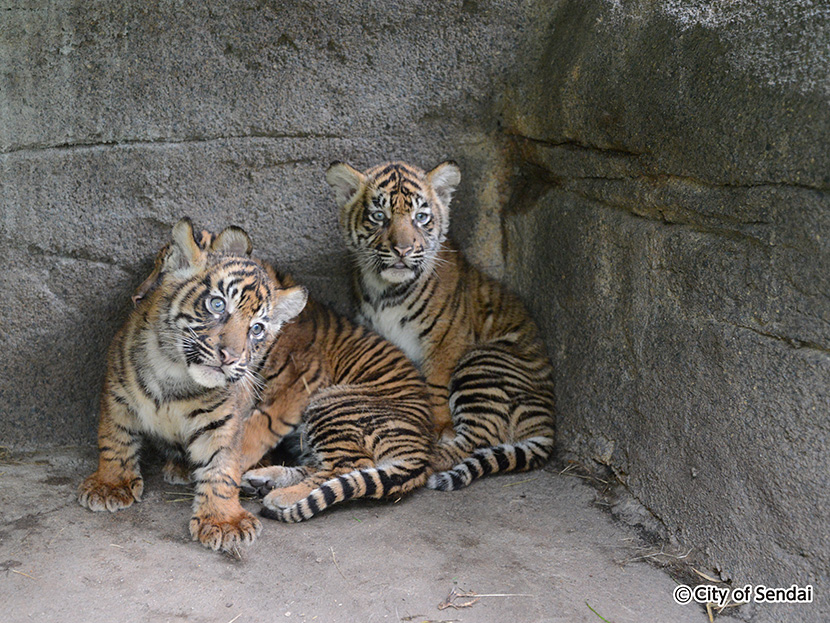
{"x": 704, "y": 576}
{"x": 24, "y": 574}
{"x": 655, "y": 554}
{"x": 513, "y": 484}
{"x": 335, "y": 563}
{"x": 235, "y": 618}
{"x": 455, "y": 593}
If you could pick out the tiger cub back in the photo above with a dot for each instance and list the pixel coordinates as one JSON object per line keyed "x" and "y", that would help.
{"x": 359, "y": 405}
{"x": 490, "y": 381}
{"x": 185, "y": 369}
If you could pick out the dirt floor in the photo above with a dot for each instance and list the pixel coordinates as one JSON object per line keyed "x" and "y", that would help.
{"x": 534, "y": 546}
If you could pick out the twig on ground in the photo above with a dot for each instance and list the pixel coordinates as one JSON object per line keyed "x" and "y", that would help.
{"x": 706, "y": 577}
{"x": 656, "y": 554}
{"x": 449, "y": 602}
{"x": 520, "y": 482}
{"x": 336, "y": 565}
{"x": 23, "y": 574}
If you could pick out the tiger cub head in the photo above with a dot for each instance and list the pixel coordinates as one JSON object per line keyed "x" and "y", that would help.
{"x": 219, "y": 310}
{"x": 394, "y": 216}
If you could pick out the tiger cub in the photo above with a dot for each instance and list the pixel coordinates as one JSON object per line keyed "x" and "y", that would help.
{"x": 490, "y": 381}
{"x": 184, "y": 368}
{"x": 359, "y": 406}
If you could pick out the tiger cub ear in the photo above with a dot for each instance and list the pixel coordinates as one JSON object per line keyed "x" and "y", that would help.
{"x": 185, "y": 251}
{"x": 345, "y": 180}
{"x": 444, "y": 179}
{"x": 233, "y": 240}
{"x": 151, "y": 281}
{"x": 290, "y": 302}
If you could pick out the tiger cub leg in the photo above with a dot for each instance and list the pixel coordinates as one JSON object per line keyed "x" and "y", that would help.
{"x": 117, "y": 482}
{"x": 262, "y": 431}
{"x": 176, "y": 472}
{"x": 219, "y": 521}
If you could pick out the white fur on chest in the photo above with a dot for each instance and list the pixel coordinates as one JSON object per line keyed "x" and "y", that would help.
{"x": 387, "y": 322}
{"x": 169, "y": 421}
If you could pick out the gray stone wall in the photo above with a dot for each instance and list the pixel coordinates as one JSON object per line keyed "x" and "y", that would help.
{"x": 671, "y": 228}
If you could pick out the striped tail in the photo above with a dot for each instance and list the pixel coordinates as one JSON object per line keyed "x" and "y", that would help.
{"x": 522, "y": 456}
{"x": 376, "y": 482}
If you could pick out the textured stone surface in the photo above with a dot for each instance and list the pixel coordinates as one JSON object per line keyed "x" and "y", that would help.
{"x": 671, "y": 229}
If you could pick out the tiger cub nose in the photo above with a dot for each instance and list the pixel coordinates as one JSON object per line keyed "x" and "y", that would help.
{"x": 227, "y": 356}
{"x": 403, "y": 251}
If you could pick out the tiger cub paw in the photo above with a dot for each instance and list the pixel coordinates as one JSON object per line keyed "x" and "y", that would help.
{"x": 283, "y": 498}
{"x": 225, "y": 533}
{"x": 176, "y": 472}
{"x": 100, "y": 495}
{"x": 262, "y": 480}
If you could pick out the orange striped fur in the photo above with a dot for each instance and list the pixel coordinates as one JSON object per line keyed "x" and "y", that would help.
{"x": 358, "y": 406}
{"x": 489, "y": 378}
{"x": 184, "y": 368}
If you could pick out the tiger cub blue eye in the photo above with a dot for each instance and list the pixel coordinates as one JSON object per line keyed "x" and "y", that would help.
{"x": 257, "y": 329}
{"x": 422, "y": 218}
{"x": 216, "y": 304}
{"x": 377, "y": 216}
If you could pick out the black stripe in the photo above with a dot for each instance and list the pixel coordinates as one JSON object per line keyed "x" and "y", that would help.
{"x": 369, "y": 483}
{"x": 329, "y": 496}
{"x": 209, "y": 427}
{"x": 313, "y": 507}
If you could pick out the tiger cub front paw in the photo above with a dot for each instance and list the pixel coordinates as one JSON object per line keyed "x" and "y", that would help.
{"x": 225, "y": 533}
{"x": 100, "y": 495}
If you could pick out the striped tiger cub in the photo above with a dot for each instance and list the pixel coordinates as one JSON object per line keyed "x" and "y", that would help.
{"x": 185, "y": 368}
{"x": 490, "y": 381}
{"x": 358, "y": 406}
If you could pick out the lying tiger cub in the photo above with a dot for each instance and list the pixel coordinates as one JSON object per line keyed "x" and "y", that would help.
{"x": 360, "y": 409}
{"x": 489, "y": 378}
{"x": 184, "y": 368}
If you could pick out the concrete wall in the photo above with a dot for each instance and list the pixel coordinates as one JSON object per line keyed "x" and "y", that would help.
{"x": 671, "y": 225}
{"x": 652, "y": 177}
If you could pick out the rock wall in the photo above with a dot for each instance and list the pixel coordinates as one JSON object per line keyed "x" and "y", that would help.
{"x": 671, "y": 226}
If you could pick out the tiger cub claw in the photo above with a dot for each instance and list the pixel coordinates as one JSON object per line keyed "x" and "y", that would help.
{"x": 265, "y": 479}
{"x": 99, "y": 495}
{"x": 225, "y": 534}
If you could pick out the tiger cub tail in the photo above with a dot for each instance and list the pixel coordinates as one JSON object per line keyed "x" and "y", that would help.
{"x": 375, "y": 482}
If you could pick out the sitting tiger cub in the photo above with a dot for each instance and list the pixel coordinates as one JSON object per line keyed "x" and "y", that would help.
{"x": 490, "y": 381}
{"x": 184, "y": 368}
{"x": 353, "y": 403}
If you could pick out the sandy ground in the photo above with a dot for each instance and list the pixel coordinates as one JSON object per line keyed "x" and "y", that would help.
{"x": 537, "y": 537}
